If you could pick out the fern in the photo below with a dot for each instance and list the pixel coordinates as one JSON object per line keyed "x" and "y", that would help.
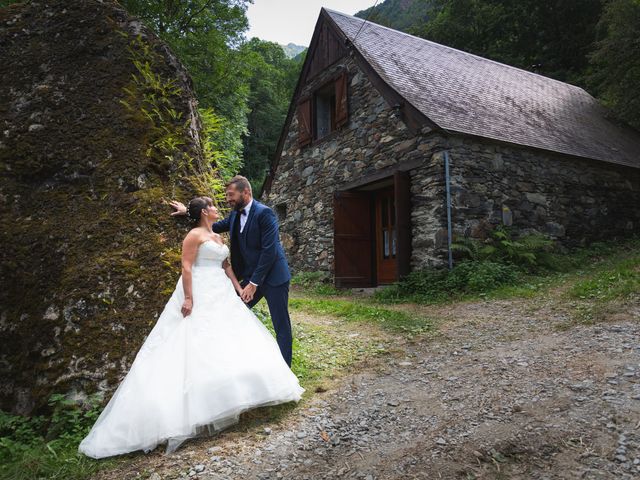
{"x": 505, "y": 246}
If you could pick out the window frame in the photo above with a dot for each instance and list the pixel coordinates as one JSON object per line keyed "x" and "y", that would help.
{"x": 335, "y": 125}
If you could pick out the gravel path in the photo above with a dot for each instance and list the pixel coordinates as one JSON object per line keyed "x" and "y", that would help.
{"x": 500, "y": 392}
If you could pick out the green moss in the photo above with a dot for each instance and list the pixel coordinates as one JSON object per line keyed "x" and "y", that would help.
{"x": 90, "y": 252}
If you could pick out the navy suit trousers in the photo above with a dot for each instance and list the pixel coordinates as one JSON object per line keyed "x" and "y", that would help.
{"x": 277, "y": 300}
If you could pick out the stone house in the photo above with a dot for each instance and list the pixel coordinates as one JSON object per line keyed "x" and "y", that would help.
{"x": 392, "y": 142}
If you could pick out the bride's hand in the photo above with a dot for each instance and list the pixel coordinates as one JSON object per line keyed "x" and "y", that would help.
{"x": 187, "y": 306}
{"x": 180, "y": 209}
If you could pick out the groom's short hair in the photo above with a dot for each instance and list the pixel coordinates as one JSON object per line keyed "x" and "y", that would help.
{"x": 240, "y": 183}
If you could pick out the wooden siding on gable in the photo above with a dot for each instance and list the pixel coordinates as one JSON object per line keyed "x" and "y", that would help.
{"x": 329, "y": 49}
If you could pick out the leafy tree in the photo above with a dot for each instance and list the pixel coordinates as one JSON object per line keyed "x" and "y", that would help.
{"x": 400, "y": 14}
{"x": 616, "y": 60}
{"x": 553, "y": 37}
{"x": 206, "y": 35}
{"x": 273, "y": 79}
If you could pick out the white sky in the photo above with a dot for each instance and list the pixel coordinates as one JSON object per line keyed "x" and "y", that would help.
{"x": 285, "y": 21}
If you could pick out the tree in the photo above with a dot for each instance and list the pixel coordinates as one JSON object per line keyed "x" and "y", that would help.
{"x": 206, "y": 35}
{"x": 616, "y": 60}
{"x": 273, "y": 79}
{"x": 552, "y": 37}
{"x": 402, "y": 15}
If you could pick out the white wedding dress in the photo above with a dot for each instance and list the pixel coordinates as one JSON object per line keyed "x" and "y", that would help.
{"x": 195, "y": 373}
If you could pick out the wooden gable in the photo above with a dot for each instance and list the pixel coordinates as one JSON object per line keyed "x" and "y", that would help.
{"x": 328, "y": 49}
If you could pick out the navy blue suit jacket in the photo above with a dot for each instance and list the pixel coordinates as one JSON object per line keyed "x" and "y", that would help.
{"x": 263, "y": 259}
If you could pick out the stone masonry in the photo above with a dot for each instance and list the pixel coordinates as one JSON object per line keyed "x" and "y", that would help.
{"x": 570, "y": 199}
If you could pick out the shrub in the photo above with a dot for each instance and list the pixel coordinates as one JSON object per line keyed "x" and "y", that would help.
{"x": 439, "y": 284}
{"x": 315, "y": 282}
{"x": 481, "y": 276}
{"x": 47, "y": 446}
{"x": 503, "y": 245}
{"x": 309, "y": 279}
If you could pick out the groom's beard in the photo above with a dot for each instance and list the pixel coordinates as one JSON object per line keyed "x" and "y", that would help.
{"x": 240, "y": 205}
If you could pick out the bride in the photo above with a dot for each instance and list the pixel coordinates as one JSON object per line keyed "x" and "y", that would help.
{"x": 207, "y": 359}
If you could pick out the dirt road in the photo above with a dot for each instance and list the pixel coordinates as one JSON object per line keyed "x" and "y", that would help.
{"x": 506, "y": 389}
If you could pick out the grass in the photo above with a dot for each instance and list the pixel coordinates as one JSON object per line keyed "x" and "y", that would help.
{"x": 319, "y": 353}
{"x": 594, "y": 283}
{"x": 560, "y": 270}
{"x": 605, "y": 290}
{"x": 391, "y": 320}
{"x": 314, "y": 283}
{"x": 46, "y": 447}
{"x": 620, "y": 281}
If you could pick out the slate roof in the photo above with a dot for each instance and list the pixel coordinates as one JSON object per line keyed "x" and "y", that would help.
{"x": 464, "y": 93}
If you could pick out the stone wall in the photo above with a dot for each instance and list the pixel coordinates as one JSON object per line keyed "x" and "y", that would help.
{"x": 570, "y": 199}
{"x": 374, "y": 138}
{"x": 567, "y": 198}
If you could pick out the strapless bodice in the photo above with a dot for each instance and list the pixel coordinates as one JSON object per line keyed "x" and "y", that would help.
{"x": 211, "y": 254}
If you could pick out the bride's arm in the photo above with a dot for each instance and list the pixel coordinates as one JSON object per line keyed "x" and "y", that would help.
{"x": 229, "y": 271}
{"x": 189, "y": 252}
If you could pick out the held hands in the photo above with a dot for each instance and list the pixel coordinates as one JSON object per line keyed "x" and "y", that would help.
{"x": 180, "y": 209}
{"x": 187, "y": 306}
{"x": 248, "y": 292}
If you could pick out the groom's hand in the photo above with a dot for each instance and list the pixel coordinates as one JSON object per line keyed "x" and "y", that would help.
{"x": 179, "y": 208}
{"x": 248, "y": 292}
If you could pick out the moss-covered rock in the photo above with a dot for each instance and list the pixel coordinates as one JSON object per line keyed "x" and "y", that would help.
{"x": 98, "y": 125}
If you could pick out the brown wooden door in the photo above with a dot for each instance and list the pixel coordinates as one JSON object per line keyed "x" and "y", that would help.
{"x": 386, "y": 236}
{"x": 352, "y": 237}
{"x": 402, "y": 194}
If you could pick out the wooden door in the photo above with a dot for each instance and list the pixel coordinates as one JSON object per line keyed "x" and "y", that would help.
{"x": 402, "y": 194}
{"x": 352, "y": 236}
{"x": 386, "y": 236}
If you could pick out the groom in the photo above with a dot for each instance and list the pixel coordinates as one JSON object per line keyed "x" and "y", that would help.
{"x": 257, "y": 258}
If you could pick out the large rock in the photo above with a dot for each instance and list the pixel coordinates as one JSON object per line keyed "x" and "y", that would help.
{"x": 98, "y": 124}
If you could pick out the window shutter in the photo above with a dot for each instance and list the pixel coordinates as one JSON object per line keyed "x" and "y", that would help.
{"x": 304, "y": 122}
{"x": 342, "y": 107}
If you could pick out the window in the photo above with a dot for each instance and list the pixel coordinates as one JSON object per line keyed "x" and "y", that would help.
{"x": 388, "y": 227}
{"x": 324, "y": 112}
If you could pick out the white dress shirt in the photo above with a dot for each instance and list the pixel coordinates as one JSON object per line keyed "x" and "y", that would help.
{"x": 243, "y": 222}
{"x": 243, "y": 218}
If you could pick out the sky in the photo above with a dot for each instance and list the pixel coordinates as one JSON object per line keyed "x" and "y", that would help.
{"x": 292, "y": 21}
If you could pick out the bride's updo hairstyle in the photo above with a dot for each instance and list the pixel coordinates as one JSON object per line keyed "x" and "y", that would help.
{"x": 195, "y": 207}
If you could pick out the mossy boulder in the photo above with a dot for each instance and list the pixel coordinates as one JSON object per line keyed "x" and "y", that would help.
{"x": 98, "y": 125}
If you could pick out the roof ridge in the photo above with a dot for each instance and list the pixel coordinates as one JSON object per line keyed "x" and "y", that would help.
{"x": 458, "y": 50}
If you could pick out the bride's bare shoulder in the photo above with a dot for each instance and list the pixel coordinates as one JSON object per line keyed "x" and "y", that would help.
{"x": 192, "y": 238}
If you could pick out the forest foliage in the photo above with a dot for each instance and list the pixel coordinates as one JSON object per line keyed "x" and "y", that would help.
{"x": 247, "y": 84}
